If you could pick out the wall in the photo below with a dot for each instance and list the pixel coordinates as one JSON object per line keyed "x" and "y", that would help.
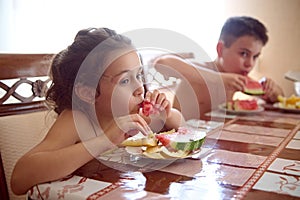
{"x": 199, "y": 20}
{"x": 282, "y": 52}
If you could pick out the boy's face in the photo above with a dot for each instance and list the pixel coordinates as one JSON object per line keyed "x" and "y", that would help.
{"x": 241, "y": 56}
{"x": 121, "y": 86}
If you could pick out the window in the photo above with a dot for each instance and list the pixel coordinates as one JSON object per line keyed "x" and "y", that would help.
{"x": 48, "y": 26}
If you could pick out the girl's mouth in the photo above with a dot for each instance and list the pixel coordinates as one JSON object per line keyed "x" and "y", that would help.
{"x": 244, "y": 73}
{"x": 141, "y": 104}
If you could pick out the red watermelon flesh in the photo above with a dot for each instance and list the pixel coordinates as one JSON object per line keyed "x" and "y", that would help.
{"x": 253, "y": 87}
{"x": 148, "y": 108}
{"x": 240, "y": 105}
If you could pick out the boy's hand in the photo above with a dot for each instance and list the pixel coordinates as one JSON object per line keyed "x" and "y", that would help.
{"x": 233, "y": 82}
{"x": 272, "y": 90}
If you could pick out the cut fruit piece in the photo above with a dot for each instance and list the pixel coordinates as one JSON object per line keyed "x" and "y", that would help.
{"x": 229, "y": 105}
{"x": 240, "y": 105}
{"x": 292, "y": 102}
{"x": 161, "y": 152}
{"x": 174, "y": 154}
{"x": 253, "y": 87}
{"x": 148, "y": 108}
{"x": 153, "y": 149}
{"x": 140, "y": 140}
{"x": 184, "y": 139}
{"x": 156, "y": 155}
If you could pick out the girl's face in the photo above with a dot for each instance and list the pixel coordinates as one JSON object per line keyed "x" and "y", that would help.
{"x": 241, "y": 56}
{"x": 121, "y": 87}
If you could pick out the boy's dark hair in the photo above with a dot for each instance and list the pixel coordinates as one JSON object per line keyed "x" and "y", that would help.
{"x": 236, "y": 27}
{"x": 93, "y": 44}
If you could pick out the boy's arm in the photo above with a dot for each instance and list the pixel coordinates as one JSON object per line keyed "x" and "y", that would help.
{"x": 171, "y": 66}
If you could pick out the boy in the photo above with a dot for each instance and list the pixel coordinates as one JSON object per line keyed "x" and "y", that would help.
{"x": 240, "y": 44}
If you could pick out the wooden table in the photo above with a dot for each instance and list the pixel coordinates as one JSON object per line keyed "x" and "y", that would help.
{"x": 253, "y": 157}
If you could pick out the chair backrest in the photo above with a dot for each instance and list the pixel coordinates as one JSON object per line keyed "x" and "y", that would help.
{"x": 24, "y": 81}
{"x": 154, "y": 78}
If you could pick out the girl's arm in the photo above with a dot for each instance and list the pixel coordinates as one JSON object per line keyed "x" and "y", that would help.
{"x": 172, "y": 66}
{"x": 58, "y": 155}
{"x": 62, "y": 151}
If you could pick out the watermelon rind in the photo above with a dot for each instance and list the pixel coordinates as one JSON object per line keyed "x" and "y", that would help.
{"x": 254, "y": 91}
{"x": 187, "y": 146}
{"x": 185, "y": 140}
{"x": 253, "y": 87}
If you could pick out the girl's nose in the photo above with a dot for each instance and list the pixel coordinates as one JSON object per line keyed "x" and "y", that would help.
{"x": 139, "y": 91}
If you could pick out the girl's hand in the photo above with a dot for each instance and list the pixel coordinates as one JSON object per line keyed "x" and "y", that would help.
{"x": 156, "y": 110}
{"x": 159, "y": 101}
{"x": 126, "y": 126}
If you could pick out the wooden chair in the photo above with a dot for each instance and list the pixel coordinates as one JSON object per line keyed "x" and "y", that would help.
{"x": 155, "y": 79}
{"x": 22, "y": 67}
{"x": 24, "y": 81}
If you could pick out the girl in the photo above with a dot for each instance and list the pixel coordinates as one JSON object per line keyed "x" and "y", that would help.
{"x": 97, "y": 92}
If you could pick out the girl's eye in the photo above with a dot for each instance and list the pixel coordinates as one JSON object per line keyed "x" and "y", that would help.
{"x": 124, "y": 81}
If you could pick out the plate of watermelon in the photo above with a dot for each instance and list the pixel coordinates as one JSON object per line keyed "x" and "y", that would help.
{"x": 241, "y": 107}
{"x": 170, "y": 145}
{"x": 253, "y": 87}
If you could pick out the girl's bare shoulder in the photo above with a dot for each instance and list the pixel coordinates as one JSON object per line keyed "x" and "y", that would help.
{"x": 66, "y": 126}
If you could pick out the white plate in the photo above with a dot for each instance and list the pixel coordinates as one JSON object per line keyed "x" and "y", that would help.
{"x": 291, "y": 110}
{"x": 138, "y": 152}
{"x": 121, "y": 159}
{"x": 258, "y": 110}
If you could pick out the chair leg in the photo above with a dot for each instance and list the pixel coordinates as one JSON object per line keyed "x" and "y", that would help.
{"x": 3, "y": 186}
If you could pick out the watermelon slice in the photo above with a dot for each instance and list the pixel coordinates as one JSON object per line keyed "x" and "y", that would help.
{"x": 240, "y": 105}
{"x": 148, "y": 108}
{"x": 253, "y": 87}
{"x": 184, "y": 139}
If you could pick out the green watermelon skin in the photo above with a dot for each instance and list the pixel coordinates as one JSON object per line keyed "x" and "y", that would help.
{"x": 184, "y": 140}
{"x": 254, "y": 91}
{"x": 190, "y": 146}
{"x": 253, "y": 87}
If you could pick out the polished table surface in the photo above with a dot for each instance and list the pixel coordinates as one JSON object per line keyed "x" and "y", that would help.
{"x": 253, "y": 156}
